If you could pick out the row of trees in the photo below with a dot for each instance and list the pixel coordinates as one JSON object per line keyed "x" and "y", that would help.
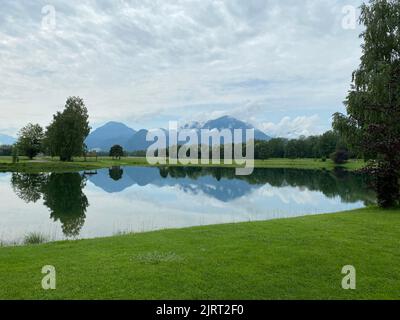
{"x": 6, "y": 150}
{"x": 322, "y": 146}
{"x": 329, "y": 144}
{"x": 64, "y": 137}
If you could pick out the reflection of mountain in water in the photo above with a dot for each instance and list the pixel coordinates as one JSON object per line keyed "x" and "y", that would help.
{"x": 223, "y": 189}
{"x": 224, "y": 185}
{"x": 63, "y": 194}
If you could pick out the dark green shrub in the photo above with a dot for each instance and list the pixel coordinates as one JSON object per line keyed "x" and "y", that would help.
{"x": 340, "y": 156}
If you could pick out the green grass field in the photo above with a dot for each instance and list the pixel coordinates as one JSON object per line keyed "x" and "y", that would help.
{"x": 53, "y": 165}
{"x": 298, "y": 258}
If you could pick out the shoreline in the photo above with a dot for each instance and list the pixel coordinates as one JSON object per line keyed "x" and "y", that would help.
{"x": 47, "y": 164}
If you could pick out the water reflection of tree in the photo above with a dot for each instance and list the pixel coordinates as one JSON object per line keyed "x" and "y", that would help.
{"x": 116, "y": 173}
{"x": 62, "y": 194}
{"x": 163, "y": 172}
{"x": 350, "y": 187}
{"x": 28, "y": 186}
{"x": 66, "y": 201}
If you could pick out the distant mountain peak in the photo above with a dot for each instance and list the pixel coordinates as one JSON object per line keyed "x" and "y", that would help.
{"x": 227, "y": 122}
{"x": 104, "y": 137}
{"x": 111, "y": 133}
{"x": 115, "y": 123}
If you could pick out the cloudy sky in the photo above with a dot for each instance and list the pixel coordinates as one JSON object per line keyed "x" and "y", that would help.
{"x": 284, "y": 65}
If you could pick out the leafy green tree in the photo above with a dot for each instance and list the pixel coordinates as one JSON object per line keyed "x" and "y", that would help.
{"x": 49, "y": 145}
{"x": 373, "y": 104}
{"x": 328, "y": 143}
{"x": 30, "y": 139}
{"x": 277, "y": 147}
{"x": 321, "y": 146}
{"x": 291, "y": 151}
{"x": 65, "y": 136}
{"x": 261, "y": 150}
{"x": 312, "y": 147}
{"x": 116, "y": 151}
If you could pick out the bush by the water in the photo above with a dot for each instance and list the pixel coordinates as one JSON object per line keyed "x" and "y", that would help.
{"x": 340, "y": 156}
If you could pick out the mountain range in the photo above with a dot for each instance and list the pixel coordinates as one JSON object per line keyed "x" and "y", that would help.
{"x": 6, "y": 140}
{"x": 108, "y": 135}
{"x": 104, "y": 137}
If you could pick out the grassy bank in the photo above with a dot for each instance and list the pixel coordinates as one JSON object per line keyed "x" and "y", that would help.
{"x": 53, "y": 165}
{"x": 299, "y": 258}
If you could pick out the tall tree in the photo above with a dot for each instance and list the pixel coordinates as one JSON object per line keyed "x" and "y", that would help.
{"x": 30, "y": 140}
{"x": 373, "y": 103}
{"x": 65, "y": 136}
{"x": 49, "y": 144}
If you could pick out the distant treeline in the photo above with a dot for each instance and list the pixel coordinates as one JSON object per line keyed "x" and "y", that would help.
{"x": 5, "y": 150}
{"x": 322, "y": 146}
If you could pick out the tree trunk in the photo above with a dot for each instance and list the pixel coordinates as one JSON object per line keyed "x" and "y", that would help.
{"x": 387, "y": 187}
{"x": 65, "y": 158}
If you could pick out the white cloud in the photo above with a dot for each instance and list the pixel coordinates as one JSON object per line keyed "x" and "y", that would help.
{"x": 140, "y": 59}
{"x": 293, "y": 128}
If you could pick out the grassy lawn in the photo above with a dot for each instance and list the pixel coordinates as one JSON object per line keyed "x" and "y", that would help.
{"x": 299, "y": 258}
{"x": 47, "y": 164}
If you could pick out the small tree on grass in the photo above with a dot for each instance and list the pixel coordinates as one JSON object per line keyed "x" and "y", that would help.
{"x": 116, "y": 152}
{"x": 30, "y": 139}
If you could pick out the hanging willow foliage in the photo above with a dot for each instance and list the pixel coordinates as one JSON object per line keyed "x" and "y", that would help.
{"x": 372, "y": 123}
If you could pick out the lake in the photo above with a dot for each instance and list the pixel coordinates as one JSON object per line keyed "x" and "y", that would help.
{"x": 138, "y": 199}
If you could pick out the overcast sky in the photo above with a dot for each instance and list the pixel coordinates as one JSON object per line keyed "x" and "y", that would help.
{"x": 284, "y": 65}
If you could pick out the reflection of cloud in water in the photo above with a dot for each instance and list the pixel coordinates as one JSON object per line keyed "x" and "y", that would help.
{"x": 173, "y": 206}
{"x": 143, "y": 200}
{"x": 291, "y": 194}
{"x": 224, "y": 189}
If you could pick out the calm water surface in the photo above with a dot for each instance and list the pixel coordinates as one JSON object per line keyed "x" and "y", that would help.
{"x": 135, "y": 199}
